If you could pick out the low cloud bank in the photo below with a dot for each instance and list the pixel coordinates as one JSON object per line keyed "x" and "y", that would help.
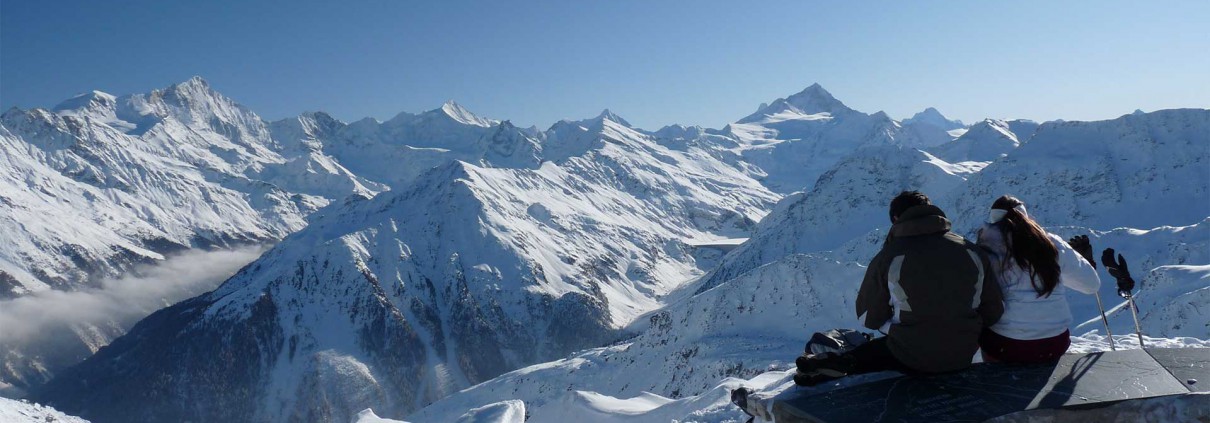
{"x": 122, "y": 300}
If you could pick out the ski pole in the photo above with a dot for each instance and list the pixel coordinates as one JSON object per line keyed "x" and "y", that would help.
{"x": 1105, "y": 320}
{"x": 1083, "y": 247}
{"x": 1135, "y": 312}
{"x": 1121, "y": 271}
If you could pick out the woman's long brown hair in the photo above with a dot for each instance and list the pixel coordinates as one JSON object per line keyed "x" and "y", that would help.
{"x": 1029, "y": 246}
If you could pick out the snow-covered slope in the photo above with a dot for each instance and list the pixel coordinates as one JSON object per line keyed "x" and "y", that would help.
{"x": 13, "y": 411}
{"x": 1136, "y": 171}
{"x": 742, "y": 328}
{"x": 985, "y": 141}
{"x": 511, "y": 411}
{"x": 396, "y": 301}
{"x": 1176, "y": 300}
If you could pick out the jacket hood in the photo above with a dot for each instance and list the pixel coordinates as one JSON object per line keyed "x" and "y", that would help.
{"x": 991, "y": 239}
{"x": 920, "y": 220}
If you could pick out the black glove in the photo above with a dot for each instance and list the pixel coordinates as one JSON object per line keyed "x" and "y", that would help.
{"x": 1081, "y": 244}
{"x": 1119, "y": 271}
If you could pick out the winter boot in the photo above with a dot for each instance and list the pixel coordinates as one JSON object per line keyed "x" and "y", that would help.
{"x": 812, "y": 379}
{"x": 739, "y": 397}
{"x": 814, "y": 369}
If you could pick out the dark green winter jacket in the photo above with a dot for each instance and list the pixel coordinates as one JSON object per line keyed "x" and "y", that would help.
{"x": 930, "y": 291}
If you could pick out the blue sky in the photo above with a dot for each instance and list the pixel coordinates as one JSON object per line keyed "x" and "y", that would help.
{"x": 654, "y": 63}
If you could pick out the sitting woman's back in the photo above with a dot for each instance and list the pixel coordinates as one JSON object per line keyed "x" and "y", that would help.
{"x": 1034, "y": 270}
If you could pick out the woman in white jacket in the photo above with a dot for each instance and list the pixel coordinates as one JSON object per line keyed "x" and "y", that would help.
{"x": 1034, "y": 269}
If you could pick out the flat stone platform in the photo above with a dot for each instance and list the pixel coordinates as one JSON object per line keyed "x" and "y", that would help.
{"x": 987, "y": 391}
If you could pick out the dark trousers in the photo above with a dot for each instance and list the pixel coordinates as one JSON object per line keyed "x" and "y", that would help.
{"x": 874, "y": 356}
{"x": 1000, "y": 348}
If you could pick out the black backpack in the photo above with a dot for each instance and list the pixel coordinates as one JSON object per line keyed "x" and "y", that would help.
{"x": 835, "y": 341}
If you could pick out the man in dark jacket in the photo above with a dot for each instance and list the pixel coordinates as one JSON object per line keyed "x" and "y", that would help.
{"x": 929, "y": 290}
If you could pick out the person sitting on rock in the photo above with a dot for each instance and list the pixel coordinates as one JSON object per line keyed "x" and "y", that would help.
{"x": 1034, "y": 269}
{"x": 929, "y": 290}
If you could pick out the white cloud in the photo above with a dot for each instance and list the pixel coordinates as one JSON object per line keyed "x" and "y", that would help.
{"x": 122, "y": 300}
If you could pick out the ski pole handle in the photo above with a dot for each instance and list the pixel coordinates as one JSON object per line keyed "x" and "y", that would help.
{"x": 1119, "y": 270}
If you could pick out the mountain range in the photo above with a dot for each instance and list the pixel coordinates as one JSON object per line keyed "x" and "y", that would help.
{"x": 433, "y": 252}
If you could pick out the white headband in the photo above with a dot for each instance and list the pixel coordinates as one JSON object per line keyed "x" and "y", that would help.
{"x": 996, "y": 215}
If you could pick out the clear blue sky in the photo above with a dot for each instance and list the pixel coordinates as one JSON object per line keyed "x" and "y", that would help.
{"x": 652, "y": 62}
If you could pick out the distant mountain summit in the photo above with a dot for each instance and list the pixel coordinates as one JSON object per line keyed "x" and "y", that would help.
{"x": 985, "y": 141}
{"x": 794, "y": 140}
{"x": 810, "y": 101}
{"x": 458, "y": 113}
{"x": 931, "y": 116}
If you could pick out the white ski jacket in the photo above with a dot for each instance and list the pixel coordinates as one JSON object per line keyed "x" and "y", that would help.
{"x": 1026, "y": 316}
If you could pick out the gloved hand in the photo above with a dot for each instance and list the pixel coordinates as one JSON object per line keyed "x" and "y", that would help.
{"x": 1081, "y": 244}
{"x": 1119, "y": 271}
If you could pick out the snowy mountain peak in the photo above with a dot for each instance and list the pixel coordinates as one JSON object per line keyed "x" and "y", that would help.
{"x": 321, "y": 117}
{"x": 192, "y": 102}
{"x": 89, "y": 100}
{"x": 194, "y": 88}
{"x": 96, "y": 105}
{"x": 611, "y": 116}
{"x": 680, "y": 132}
{"x": 458, "y": 113}
{"x": 814, "y": 100}
{"x": 591, "y": 123}
{"x": 931, "y": 116}
{"x": 985, "y": 141}
{"x": 196, "y": 81}
{"x": 509, "y": 146}
{"x": 307, "y": 126}
{"x": 996, "y": 124}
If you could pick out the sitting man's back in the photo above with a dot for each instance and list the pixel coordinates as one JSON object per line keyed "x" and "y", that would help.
{"x": 928, "y": 289}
